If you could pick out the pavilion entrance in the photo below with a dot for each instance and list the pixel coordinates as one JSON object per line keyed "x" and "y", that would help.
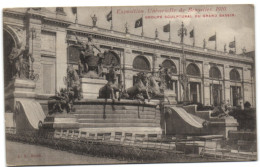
{"x": 235, "y": 92}
{"x": 195, "y": 88}
{"x": 216, "y": 94}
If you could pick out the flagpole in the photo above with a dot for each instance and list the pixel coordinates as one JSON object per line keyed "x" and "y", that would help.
{"x": 76, "y": 21}
{"x": 193, "y": 36}
{"x": 216, "y": 42}
{"x": 111, "y": 26}
{"x": 169, "y": 31}
{"x": 142, "y": 34}
{"x": 235, "y": 44}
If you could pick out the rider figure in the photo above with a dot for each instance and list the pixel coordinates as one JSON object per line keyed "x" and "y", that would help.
{"x": 86, "y": 49}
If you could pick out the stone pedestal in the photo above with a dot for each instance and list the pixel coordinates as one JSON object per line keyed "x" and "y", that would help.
{"x": 90, "y": 87}
{"x": 20, "y": 89}
{"x": 60, "y": 121}
{"x": 221, "y": 126}
{"x": 20, "y": 100}
{"x": 171, "y": 96}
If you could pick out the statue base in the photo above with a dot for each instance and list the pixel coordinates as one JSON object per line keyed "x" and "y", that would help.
{"x": 221, "y": 126}
{"x": 20, "y": 88}
{"x": 171, "y": 96}
{"x": 60, "y": 121}
{"x": 90, "y": 87}
{"x": 25, "y": 110}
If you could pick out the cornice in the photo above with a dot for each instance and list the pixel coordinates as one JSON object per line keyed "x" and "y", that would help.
{"x": 37, "y": 15}
{"x": 162, "y": 45}
{"x": 62, "y": 23}
{"x": 11, "y": 13}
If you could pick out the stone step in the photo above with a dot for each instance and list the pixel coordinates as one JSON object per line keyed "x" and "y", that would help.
{"x": 126, "y": 120}
{"x": 134, "y": 130}
{"x": 99, "y": 125}
{"x": 96, "y": 116}
{"x": 97, "y": 111}
{"x": 114, "y": 107}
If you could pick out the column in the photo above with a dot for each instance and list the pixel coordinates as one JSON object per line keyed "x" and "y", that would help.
{"x": 226, "y": 87}
{"x": 173, "y": 86}
{"x": 189, "y": 95}
{"x": 198, "y": 92}
{"x": 210, "y": 93}
{"x": 231, "y": 96}
{"x": 61, "y": 59}
{"x": 206, "y": 85}
{"x": 156, "y": 62}
{"x": 128, "y": 67}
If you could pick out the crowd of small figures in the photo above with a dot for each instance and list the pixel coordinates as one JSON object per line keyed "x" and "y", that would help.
{"x": 128, "y": 147}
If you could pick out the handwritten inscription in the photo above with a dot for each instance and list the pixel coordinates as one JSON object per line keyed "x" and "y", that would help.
{"x": 28, "y": 155}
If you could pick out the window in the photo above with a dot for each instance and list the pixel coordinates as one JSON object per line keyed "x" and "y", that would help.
{"x": 234, "y": 75}
{"x": 141, "y": 63}
{"x": 170, "y": 65}
{"x": 48, "y": 75}
{"x": 111, "y": 58}
{"x": 73, "y": 55}
{"x": 214, "y": 72}
{"x": 193, "y": 70}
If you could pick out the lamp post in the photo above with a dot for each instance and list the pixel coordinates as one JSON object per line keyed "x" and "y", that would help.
{"x": 33, "y": 76}
{"x": 184, "y": 80}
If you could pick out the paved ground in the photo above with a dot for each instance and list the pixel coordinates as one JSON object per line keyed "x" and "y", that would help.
{"x": 25, "y": 154}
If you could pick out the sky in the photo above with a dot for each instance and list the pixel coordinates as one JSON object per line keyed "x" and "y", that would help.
{"x": 240, "y": 25}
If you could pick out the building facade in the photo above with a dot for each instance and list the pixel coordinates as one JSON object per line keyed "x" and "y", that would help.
{"x": 214, "y": 76}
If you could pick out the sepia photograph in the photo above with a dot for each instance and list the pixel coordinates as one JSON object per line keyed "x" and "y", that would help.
{"x": 107, "y": 85}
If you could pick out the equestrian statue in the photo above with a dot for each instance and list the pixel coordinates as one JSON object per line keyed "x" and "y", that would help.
{"x": 90, "y": 65}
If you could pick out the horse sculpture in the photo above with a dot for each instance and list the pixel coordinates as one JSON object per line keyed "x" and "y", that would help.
{"x": 140, "y": 89}
{"x": 154, "y": 90}
{"x": 110, "y": 89}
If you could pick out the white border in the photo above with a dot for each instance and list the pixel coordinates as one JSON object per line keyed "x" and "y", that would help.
{"x": 53, "y": 3}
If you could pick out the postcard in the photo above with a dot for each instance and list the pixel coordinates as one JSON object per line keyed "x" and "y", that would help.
{"x": 123, "y": 85}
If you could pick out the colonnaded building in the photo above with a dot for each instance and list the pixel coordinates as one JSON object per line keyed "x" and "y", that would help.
{"x": 214, "y": 76}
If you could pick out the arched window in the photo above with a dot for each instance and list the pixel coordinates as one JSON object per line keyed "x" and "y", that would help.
{"x": 214, "y": 72}
{"x": 193, "y": 70}
{"x": 110, "y": 58}
{"x": 170, "y": 65}
{"x": 141, "y": 63}
{"x": 234, "y": 75}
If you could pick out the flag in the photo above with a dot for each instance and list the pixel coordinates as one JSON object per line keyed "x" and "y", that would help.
{"x": 139, "y": 23}
{"x": 192, "y": 33}
{"x": 212, "y": 38}
{"x": 166, "y": 28}
{"x": 232, "y": 44}
{"x": 109, "y": 16}
{"x": 74, "y": 10}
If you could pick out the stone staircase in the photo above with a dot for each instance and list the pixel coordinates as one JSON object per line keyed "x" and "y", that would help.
{"x": 119, "y": 116}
